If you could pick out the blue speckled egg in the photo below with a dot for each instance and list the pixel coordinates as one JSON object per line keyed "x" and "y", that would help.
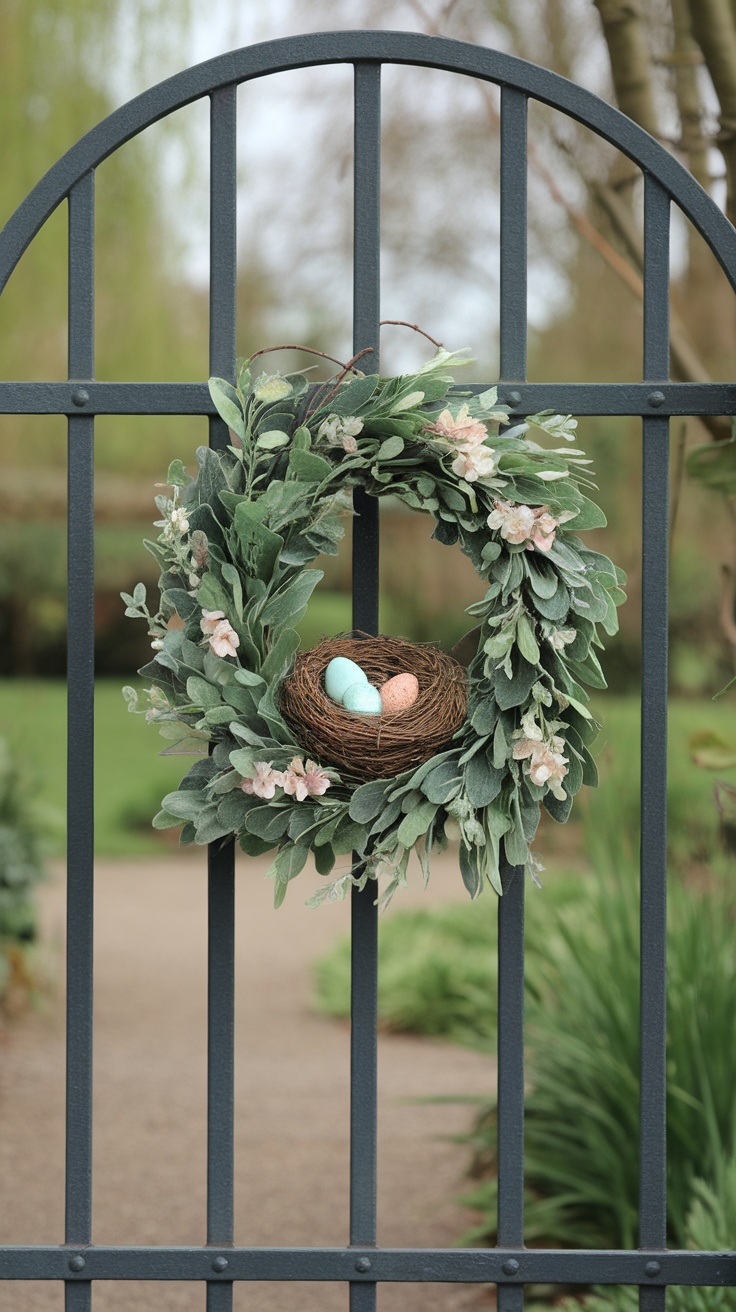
{"x": 340, "y": 674}
{"x": 362, "y": 698}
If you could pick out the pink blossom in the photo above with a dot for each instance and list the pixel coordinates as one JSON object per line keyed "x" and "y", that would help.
{"x": 210, "y": 620}
{"x": 302, "y": 781}
{"x": 547, "y": 764}
{"x": 264, "y": 781}
{"x": 544, "y": 531}
{"x": 516, "y": 523}
{"x": 532, "y": 525}
{"x": 223, "y": 639}
{"x": 462, "y": 430}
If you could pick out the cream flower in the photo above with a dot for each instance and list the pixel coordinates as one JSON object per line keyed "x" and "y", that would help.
{"x": 264, "y": 781}
{"x": 179, "y": 521}
{"x": 477, "y": 463}
{"x": 210, "y": 620}
{"x": 516, "y": 523}
{"x": 223, "y": 639}
{"x": 560, "y": 638}
{"x": 462, "y": 430}
{"x": 337, "y": 431}
{"x": 534, "y": 526}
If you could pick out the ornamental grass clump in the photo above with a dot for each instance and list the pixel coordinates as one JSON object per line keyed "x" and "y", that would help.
{"x": 235, "y": 552}
{"x": 581, "y": 1112}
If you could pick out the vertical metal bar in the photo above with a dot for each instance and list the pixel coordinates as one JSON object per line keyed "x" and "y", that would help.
{"x": 221, "y": 860}
{"x": 80, "y": 740}
{"x": 513, "y": 332}
{"x": 655, "y": 514}
{"x": 364, "y": 920}
{"x": 513, "y": 257}
{"x": 511, "y": 1074}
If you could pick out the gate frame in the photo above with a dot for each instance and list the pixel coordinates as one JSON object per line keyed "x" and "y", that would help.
{"x": 361, "y": 1264}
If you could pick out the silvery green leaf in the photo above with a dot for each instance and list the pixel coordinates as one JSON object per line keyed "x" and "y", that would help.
{"x": 390, "y": 449}
{"x": 469, "y": 871}
{"x": 526, "y": 641}
{"x": 177, "y": 475}
{"x": 164, "y": 820}
{"x": 272, "y": 439}
{"x": 227, "y": 405}
{"x": 139, "y": 594}
{"x": 482, "y": 782}
{"x": 416, "y": 823}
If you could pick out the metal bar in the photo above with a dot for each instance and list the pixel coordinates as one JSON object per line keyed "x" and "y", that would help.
{"x": 20, "y": 398}
{"x": 510, "y": 1114}
{"x": 513, "y": 255}
{"x": 80, "y": 742}
{"x": 395, "y": 1265}
{"x": 366, "y": 316}
{"x": 363, "y": 913}
{"x": 655, "y": 515}
{"x": 221, "y": 860}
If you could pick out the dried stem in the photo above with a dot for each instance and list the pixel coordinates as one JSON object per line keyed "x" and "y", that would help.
{"x": 402, "y": 323}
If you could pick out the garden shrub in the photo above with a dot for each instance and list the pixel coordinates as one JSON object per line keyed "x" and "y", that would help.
{"x": 21, "y": 869}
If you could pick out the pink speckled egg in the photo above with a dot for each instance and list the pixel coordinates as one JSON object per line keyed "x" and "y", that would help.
{"x": 399, "y": 693}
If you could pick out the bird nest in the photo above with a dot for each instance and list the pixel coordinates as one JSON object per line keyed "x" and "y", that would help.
{"x": 375, "y": 746}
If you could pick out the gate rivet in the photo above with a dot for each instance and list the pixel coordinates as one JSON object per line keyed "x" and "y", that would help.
{"x": 656, "y": 399}
{"x": 363, "y": 1264}
{"x": 219, "y": 1263}
{"x": 510, "y": 1267}
{"x": 513, "y": 398}
{"x": 80, "y": 396}
{"x": 652, "y": 1269}
{"x": 76, "y": 1263}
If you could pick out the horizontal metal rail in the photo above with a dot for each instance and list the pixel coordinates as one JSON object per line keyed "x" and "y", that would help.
{"x": 90, "y": 398}
{"x": 395, "y": 1265}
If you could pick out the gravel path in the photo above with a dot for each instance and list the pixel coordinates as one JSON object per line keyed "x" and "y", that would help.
{"x": 291, "y": 1070}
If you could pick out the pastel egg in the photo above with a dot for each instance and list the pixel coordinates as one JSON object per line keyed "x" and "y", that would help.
{"x": 399, "y": 693}
{"x": 363, "y": 698}
{"x": 340, "y": 674}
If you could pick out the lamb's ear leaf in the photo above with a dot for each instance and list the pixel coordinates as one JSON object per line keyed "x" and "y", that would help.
{"x": 227, "y": 404}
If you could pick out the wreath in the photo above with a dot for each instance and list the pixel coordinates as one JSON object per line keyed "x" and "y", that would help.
{"x": 227, "y": 680}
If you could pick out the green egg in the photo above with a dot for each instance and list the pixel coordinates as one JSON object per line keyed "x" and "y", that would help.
{"x": 362, "y": 698}
{"x": 339, "y": 676}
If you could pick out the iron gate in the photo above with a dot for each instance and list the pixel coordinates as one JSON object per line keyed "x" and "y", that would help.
{"x": 361, "y": 1264}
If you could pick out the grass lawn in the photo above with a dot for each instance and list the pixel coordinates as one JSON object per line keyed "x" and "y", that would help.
{"x": 131, "y": 778}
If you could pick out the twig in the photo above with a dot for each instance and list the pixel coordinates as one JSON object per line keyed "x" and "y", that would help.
{"x": 367, "y": 350}
{"x": 402, "y": 323}
{"x": 310, "y": 350}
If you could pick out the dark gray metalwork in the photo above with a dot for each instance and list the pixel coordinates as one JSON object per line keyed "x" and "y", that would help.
{"x": 362, "y": 1265}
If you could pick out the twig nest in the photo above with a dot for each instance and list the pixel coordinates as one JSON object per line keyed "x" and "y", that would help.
{"x": 376, "y": 746}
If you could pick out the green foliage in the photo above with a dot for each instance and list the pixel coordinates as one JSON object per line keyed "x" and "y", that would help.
{"x": 582, "y": 1109}
{"x": 710, "y": 1227}
{"x": 21, "y": 863}
{"x": 234, "y": 550}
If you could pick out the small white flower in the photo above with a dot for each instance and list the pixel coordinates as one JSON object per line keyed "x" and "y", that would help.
{"x": 179, "y": 521}
{"x": 339, "y": 431}
{"x": 560, "y": 638}
{"x": 158, "y": 644}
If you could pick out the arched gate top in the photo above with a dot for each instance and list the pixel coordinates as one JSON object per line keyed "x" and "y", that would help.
{"x": 388, "y": 47}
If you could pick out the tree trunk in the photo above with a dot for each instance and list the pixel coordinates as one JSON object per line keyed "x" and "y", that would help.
{"x": 714, "y": 29}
